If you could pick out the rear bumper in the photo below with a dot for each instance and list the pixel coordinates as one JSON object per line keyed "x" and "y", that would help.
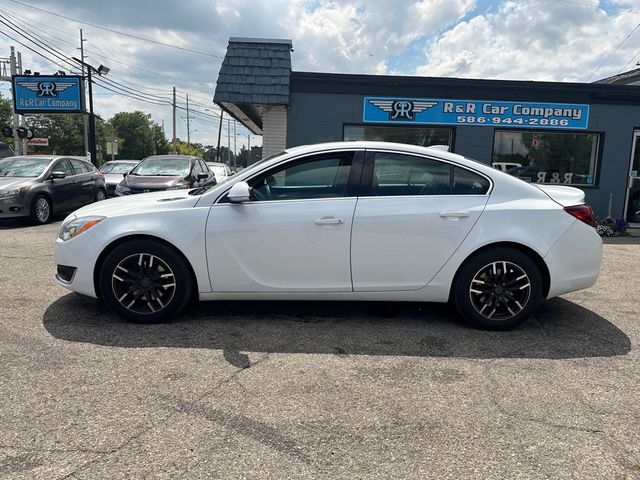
{"x": 574, "y": 261}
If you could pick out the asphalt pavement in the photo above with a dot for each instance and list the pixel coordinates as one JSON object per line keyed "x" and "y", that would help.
{"x": 314, "y": 390}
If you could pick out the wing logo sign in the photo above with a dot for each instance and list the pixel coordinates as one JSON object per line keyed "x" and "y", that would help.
{"x": 46, "y": 89}
{"x": 402, "y": 109}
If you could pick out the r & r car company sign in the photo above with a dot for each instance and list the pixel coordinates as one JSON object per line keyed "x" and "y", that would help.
{"x": 440, "y": 111}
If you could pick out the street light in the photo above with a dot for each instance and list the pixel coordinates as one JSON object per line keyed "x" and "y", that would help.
{"x": 101, "y": 70}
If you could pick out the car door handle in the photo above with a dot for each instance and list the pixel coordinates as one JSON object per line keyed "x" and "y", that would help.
{"x": 454, "y": 214}
{"x": 329, "y": 221}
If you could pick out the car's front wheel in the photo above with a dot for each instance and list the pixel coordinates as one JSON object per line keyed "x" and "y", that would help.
{"x": 41, "y": 210}
{"x": 497, "y": 289}
{"x": 100, "y": 195}
{"x": 145, "y": 281}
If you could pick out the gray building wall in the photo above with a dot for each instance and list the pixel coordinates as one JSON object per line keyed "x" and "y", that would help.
{"x": 319, "y": 117}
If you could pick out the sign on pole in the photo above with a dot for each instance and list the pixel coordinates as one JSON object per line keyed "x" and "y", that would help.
{"x": 47, "y": 94}
{"x": 40, "y": 142}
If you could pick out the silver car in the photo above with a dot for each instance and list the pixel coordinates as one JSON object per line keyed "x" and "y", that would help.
{"x": 39, "y": 186}
{"x": 114, "y": 171}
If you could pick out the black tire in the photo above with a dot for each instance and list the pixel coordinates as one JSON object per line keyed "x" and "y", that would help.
{"x": 41, "y": 210}
{"x": 101, "y": 194}
{"x": 497, "y": 289}
{"x": 156, "y": 277}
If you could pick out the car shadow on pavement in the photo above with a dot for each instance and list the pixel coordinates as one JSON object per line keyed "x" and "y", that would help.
{"x": 559, "y": 329}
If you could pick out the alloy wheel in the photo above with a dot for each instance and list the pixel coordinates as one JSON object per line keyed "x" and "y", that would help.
{"x": 500, "y": 290}
{"x": 43, "y": 211}
{"x": 143, "y": 283}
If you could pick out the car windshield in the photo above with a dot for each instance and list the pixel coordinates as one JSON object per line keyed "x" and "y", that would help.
{"x": 163, "y": 167}
{"x": 110, "y": 167}
{"x": 23, "y": 166}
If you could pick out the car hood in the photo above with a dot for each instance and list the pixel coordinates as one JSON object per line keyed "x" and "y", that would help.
{"x": 13, "y": 182}
{"x": 142, "y": 203}
{"x": 152, "y": 182}
{"x": 565, "y": 196}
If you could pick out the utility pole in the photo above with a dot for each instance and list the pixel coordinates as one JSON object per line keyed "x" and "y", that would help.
{"x": 23, "y": 120}
{"x": 84, "y": 115}
{"x": 188, "y": 131}
{"x": 174, "y": 149}
{"x": 219, "y": 134}
{"x": 17, "y": 143}
{"x": 235, "y": 150}
{"x": 228, "y": 141}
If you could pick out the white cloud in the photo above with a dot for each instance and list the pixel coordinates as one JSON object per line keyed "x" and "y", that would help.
{"x": 534, "y": 40}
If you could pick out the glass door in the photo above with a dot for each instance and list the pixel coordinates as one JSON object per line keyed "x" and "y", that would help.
{"x": 633, "y": 196}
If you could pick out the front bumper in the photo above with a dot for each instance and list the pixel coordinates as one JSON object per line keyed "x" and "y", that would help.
{"x": 80, "y": 253}
{"x": 14, "y": 206}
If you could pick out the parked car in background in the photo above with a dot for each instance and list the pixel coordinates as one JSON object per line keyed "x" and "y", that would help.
{"x": 339, "y": 221}
{"x": 165, "y": 172}
{"x": 114, "y": 172}
{"x": 504, "y": 166}
{"x": 220, "y": 170}
{"x": 41, "y": 186}
{"x": 5, "y": 150}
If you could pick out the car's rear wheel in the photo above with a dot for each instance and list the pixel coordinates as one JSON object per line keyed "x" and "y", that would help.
{"x": 41, "y": 210}
{"x": 145, "y": 281}
{"x": 497, "y": 289}
{"x": 100, "y": 195}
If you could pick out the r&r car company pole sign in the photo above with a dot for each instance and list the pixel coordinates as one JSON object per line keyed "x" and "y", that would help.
{"x": 428, "y": 111}
{"x": 47, "y": 94}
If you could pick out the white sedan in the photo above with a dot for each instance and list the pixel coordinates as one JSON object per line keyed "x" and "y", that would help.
{"x": 338, "y": 221}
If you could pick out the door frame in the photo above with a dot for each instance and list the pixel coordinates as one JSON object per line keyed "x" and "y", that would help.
{"x": 634, "y": 137}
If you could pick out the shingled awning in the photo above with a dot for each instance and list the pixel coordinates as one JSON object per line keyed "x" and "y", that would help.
{"x": 255, "y": 73}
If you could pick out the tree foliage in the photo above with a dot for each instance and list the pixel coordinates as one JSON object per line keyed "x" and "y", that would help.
{"x": 138, "y": 135}
{"x": 5, "y": 111}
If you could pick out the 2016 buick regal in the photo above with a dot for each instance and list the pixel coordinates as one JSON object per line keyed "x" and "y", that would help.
{"x": 338, "y": 221}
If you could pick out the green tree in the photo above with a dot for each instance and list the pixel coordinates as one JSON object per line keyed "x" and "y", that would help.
{"x": 66, "y": 133}
{"x": 195, "y": 149}
{"x": 5, "y": 111}
{"x": 140, "y": 136}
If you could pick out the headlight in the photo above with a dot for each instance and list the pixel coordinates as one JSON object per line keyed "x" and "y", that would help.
{"x": 76, "y": 227}
{"x": 122, "y": 189}
{"x": 13, "y": 191}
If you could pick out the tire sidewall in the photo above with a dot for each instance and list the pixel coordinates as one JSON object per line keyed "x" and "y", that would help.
{"x": 104, "y": 195}
{"x": 469, "y": 269}
{"x": 170, "y": 256}
{"x": 34, "y": 216}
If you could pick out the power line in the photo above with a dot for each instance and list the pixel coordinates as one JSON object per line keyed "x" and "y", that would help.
{"x": 144, "y": 39}
{"x": 608, "y": 56}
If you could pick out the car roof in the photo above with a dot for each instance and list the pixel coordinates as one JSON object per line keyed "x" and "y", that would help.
{"x": 121, "y": 161}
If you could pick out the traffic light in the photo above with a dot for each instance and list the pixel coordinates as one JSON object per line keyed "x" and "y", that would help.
{"x": 23, "y": 132}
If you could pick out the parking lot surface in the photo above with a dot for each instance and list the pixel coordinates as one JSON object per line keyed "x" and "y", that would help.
{"x": 314, "y": 390}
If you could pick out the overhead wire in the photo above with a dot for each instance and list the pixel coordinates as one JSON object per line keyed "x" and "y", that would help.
{"x": 610, "y": 54}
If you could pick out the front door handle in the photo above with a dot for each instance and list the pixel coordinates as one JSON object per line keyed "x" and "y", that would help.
{"x": 454, "y": 214}
{"x": 329, "y": 221}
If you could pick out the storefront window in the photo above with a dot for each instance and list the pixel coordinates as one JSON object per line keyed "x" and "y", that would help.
{"x": 411, "y": 135}
{"x": 542, "y": 157}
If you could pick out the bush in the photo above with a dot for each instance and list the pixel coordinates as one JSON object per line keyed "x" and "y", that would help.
{"x": 612, "y": 227}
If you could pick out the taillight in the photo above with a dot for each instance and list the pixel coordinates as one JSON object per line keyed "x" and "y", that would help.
{"x": 583, "y": 213}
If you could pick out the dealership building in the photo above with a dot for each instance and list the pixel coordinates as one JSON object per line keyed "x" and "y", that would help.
{"x": 579, "y": 134}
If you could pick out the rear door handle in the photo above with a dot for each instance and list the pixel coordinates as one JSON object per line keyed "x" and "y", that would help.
{"x": 329, "y": 221}
{"x": 454, "y": 214}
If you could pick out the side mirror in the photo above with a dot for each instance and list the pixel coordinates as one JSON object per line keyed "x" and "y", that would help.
{"x": 57, "y": 175}
{"x": 125, "y": 174}
{"x": 239, "y": 193}
{"x": 202, "y": 176}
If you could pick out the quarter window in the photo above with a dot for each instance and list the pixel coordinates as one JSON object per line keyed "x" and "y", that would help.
{"x": 79, "y": 166}
{"x": 323, "y": 176}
